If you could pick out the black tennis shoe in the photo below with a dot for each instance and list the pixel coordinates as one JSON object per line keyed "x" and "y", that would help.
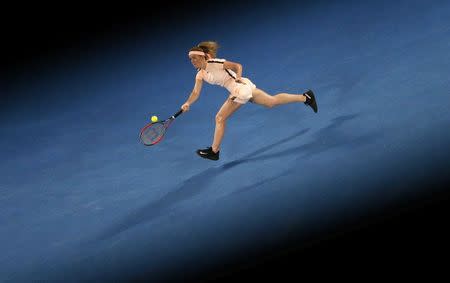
{"x": 208, "y": 153}
{"x": 311, "y": 100}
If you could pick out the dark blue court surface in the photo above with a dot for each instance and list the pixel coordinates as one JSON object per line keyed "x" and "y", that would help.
{"x": 82, "y": 200}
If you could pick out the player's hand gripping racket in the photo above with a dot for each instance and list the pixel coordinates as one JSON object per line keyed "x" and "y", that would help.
{"x": 152, "y": 133}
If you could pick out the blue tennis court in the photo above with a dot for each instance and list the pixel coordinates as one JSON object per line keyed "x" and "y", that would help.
{"x": 82, "y": 199}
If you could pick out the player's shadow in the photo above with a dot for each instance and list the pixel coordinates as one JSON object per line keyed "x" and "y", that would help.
{"x": 325, "y": 139}
{"x": 187, "y": 189}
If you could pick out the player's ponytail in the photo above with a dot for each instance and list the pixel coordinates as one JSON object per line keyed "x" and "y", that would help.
{"x": 209, "y": 47}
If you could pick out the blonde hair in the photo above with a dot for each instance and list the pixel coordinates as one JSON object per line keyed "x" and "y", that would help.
{"x": 209, "y": 47}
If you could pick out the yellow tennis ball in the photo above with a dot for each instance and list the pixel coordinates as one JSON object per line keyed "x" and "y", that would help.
{"x": 154, "y": 119}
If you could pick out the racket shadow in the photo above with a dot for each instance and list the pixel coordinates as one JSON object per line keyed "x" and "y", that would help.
{"x": 187, "y": 189}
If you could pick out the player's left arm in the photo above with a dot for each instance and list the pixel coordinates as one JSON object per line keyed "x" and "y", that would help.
{"x": 236, "y": 67}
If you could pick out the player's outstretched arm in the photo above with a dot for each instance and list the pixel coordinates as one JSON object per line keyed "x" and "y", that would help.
{"x": 193, "y": 96}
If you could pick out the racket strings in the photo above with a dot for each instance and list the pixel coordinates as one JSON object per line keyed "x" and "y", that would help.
{"x": 153, "y": 133}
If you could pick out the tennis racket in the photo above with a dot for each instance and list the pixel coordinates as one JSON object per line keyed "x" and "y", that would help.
{"x": 153, "y": 133}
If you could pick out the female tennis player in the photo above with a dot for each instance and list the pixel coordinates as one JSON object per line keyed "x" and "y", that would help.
{"x": 228, "y": 74}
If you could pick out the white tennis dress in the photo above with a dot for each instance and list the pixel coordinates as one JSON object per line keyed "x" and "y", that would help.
{"x": 216, "y": 74}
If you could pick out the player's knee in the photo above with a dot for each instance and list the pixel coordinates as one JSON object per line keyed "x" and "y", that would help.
{"x": 220, "y": 119}
{"x": 271, "y": 103}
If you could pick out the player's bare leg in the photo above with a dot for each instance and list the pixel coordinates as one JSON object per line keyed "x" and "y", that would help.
{"x": 227, "y": 109}
{"x": 263, "y": 98}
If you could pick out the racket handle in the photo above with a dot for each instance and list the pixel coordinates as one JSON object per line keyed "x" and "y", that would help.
{"x": 178, "y": 113}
